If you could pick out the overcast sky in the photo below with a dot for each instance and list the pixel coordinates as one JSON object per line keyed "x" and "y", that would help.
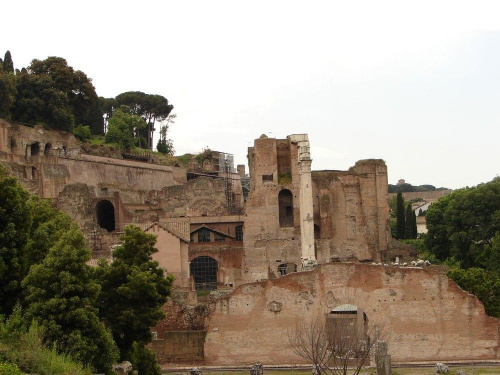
{"x": 416, "y": 83}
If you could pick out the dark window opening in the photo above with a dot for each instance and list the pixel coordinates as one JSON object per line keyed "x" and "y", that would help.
{"x": 219, "y": 237}
{"x": 317, "y": 232}
{"x": 35, "y": 149}
{"x": 203, "y": 235}
{"x": 34, "y": 173}
{"x": 239, "y": 233}
{"x": 286, "y": 268}
{"x": 12, "y": 144}
{"x": 105, "y": 212}
{"x": 285, "y": 203}
{"x": 267, "y": 178}
{"x": 204, "y": 272}
{"x": 47, "y": 148}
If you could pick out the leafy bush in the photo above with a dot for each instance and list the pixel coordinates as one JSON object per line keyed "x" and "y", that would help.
{"x": 485, "y": 285}
{"x": 144, "y": 360}
{"x": 26, "y": 349}
{"x": 9, "y": 369}
{"x": 82, "y": 133}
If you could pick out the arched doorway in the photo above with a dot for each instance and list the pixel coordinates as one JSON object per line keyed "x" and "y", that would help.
{"x": 105, "y": 213}
{"x": 204, "y": 272}
{"x": 35, "y": 149}
{"x": 47, "y": 149}
{"x": 285, "y": 203}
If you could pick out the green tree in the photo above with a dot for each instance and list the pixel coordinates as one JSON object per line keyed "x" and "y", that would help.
{"x": 76, "y": 87}
{"x": 38, "y": 101}
{"x": 133, "y": 290}
{"x": 82, "y": 133}
{"x": 462, "y": 224}
{"x": 61, "y": 295}
{"x": 107, "y": 105}
{"x": 164, "y": 145}
{"x": 8, "y": 92}
{"x": 15, "y": 221}
{"x": 143, "y": 360}
{"x": 400, "y": 216}
{"x": 24, "y": 345}
{"x": 484, "y": 284}
{"x": 151, "y": 108}
{"x": 48, "y": 226}
{"x": 408, "y": 222}
{"x": 122, "y": 127}
{"x": 494, "y": 256}
{"x": 8, "y": 64}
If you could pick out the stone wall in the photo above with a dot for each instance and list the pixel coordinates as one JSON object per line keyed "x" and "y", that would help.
{"x": 426, "y": 316}
{"x": 180, "y": 346}
{"x": 352, "y": 212}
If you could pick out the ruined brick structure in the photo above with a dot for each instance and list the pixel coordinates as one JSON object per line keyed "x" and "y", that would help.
{"x": 280, "y": 245}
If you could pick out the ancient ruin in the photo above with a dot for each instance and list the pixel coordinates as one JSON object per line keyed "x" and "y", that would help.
{"x": 271, "y": 248}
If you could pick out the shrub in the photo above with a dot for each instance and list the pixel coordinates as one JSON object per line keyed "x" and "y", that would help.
{"x": 26, "y": 349}
{"x": 9, "y": 369}
{"x": 144, "y": 360}
{"x": 82, "y": 133}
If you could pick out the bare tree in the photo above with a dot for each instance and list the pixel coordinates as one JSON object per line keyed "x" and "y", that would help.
{"x": 334, "y": 345}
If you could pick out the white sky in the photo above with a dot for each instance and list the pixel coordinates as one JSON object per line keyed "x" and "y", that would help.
{"x": 416, "y": 83}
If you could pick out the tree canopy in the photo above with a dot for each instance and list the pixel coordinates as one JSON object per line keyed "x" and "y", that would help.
{"x": 124, "y": 128}
{"x": 463, "y": 224}
{"x": 81, "y": 310}
{"x": 15, "y": 222}
{"x": 151, "y": 108}
{"x": 61, "y": 295}
{"x": 133, "y": 289}
{"x": 51, "y": 93}
{"x": 7, "y": 63}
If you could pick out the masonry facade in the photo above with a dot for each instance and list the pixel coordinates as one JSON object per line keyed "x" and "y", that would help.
{"x": 278, "y": 245}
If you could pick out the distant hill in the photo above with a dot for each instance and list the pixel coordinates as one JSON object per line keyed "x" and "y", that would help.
{"x": 409, "y": 188}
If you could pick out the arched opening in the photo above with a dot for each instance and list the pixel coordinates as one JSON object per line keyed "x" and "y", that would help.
{"x": 46, "y": 150}
{"x": 239, "y": 233}
{"x": 204, "y": 272}
{"x": 285, "y": 203}
{"x": 351, "y": 320}
{"x": 317, "y": 232}
{"x": 35, "y": 149}
{"x": 105, "y": 213}
{"x": 317, "y": 235}
{"x": 13, "y": 144}
{"x": 286, "y": 268}
{"x": 34, "y": 173}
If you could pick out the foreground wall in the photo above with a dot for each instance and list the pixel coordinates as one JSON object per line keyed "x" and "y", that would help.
{"x": 428, "y": 316}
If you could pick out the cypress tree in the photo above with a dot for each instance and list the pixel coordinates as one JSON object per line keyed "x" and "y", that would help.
{"x": 409, "y": 222}
{"x": 8, "y": 64}
{"x": 400, "y": 216}
{"x": 414, "y": 226}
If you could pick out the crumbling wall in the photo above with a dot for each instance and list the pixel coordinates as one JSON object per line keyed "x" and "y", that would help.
{"x": 352, "y": 212}
{"x": 203, "y": 196}
{"x": 426, "y": 316}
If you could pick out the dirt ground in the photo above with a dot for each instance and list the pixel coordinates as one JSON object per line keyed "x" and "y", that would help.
{"x": 477, "y": 370}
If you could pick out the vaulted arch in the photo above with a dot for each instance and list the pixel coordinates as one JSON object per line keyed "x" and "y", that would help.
{"x": 285, "y": 203}
{"x": 105, "y": 214}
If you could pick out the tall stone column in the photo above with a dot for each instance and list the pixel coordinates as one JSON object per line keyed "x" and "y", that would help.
{"x": 306, "y": 210}
{"x": 306, "y": 196}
